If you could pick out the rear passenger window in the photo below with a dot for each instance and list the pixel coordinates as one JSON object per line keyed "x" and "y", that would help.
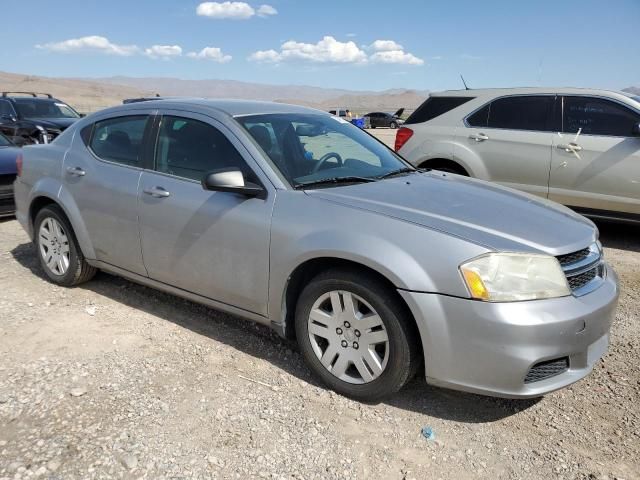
{"x": 119, "y": 139}
{"x": 597, "y": 116}
{"x": 434, "y": 107}
{"x": 189, "y": 148}
{"x": 533, "y": 113}
{"x": 480, "y": 118}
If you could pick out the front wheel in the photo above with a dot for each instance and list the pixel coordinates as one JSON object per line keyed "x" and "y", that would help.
{"x": 393, "y": 125}
{"x": 355, "y": 335}
{"x": 58, "y": 250}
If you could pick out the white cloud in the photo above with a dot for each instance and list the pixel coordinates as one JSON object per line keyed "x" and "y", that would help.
{"x": 388, "y": 51}
{"x": 92, "y": 43}
{"x": 163, "y": 51}
{"x": 265, "y": 56}
{"x": 327, "y": 50}
{"x": 396, "y": 56}
{"x": 210, "y": 53}
{"x": 351, "y": 35}
{"x": 266, "y": 10}
{"x": 386, "y": 46}
{"x": 233, "y": 10}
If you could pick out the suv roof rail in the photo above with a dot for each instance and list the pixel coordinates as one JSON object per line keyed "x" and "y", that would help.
{"x": 33, "y": 94}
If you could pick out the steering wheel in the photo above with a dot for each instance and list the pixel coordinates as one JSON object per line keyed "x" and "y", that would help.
{"x": 324, "y": 159}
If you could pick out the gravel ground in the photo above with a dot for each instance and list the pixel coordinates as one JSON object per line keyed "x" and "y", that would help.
{"x": 115, "y": 380}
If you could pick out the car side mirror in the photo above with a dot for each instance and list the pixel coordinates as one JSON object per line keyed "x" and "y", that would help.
{"x": 82, "y": 115}
{"x": 230, "y": 180}
{"x": 635, "y": 131}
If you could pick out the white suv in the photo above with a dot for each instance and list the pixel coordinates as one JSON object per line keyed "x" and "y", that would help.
{"x": 576, "y": 146}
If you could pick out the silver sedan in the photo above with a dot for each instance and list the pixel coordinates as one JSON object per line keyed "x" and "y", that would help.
{"x": 296, "y": 219}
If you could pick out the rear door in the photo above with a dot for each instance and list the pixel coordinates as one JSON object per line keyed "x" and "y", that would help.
{"x": 513, "y": 136}
{"x": 214, "y": 244}
{"x": 599, "y": 168}
{"x": 102, "y": 172}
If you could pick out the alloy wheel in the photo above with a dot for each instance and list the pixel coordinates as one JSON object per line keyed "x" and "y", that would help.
{"x": 54, "y": 246}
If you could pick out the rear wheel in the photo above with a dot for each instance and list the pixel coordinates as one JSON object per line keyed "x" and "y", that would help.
{"x": 354, "y": 334}
{"x": 58, "y": 250}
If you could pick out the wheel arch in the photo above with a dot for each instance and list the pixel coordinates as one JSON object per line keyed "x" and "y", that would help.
{"x": 42, "y": 198}
{"x": 437, "y": 163}
{"x": 312, "y": 267}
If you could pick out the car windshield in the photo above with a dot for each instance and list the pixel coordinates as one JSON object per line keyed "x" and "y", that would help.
{"x": 4, "y": 141}
{"x": 312, "y": 148}
{"x": 37, "y": 108}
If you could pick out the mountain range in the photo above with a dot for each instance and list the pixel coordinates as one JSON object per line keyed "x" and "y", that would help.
{"x": 90, "y": 94}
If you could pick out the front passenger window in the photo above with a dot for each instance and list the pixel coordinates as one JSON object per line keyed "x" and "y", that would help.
{"x": 597, "y": 116}
{"x": 119, "y": 139}
{"x": 189, "y": 148}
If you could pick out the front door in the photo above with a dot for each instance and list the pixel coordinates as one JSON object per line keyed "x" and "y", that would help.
{"x": 596, "y": 159}
{"x": 214, "y": 244}
{"x": 102, "y": 172}
{"x": 512, "y": 136}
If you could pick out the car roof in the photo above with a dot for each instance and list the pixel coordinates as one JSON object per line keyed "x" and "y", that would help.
{"x": 495, "y": 92}
{"x": 233, "y": 108}
{"x": 31, "y": 99}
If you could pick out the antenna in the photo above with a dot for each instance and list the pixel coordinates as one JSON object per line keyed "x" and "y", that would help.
{"x": 464, "y": 83}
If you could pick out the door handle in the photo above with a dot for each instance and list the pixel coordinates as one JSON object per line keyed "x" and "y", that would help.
{"x": 156, "y": 192}
{"x": 569, "y": 147}
{"x": 479, "y": 137}
{"x": 76, "y": 171}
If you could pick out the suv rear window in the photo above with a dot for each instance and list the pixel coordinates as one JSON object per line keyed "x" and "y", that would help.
{"x": 434, "y": 107}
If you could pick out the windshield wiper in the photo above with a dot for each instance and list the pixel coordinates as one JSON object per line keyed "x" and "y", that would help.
{"x": 335, "y": 180}
{"x": 399, "y": 171}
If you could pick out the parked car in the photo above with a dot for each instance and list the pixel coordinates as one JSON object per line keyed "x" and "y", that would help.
{"x": 9, "y": 159}
{"x": 385, "y": 119}
{"x": 341, "y": 112}
{"x": 29, "y": 117}
{"x": 576, "y": 146}
{"x": 298, "y": 220}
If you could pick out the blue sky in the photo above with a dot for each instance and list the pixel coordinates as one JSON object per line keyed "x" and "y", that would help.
{"x": 368, "y": 45}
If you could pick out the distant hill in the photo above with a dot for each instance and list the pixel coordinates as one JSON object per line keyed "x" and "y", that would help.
{"x": 323, "y": 98}
{"x": 85, "y": 96}
{"x": 633, "y": 90}
{"x": 90, "y": 94}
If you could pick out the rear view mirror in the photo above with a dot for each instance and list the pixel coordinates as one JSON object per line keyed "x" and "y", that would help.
{"x": 309, "y": 130}
{"x": 635, "y": 131}
{"x": 230, "y": 180}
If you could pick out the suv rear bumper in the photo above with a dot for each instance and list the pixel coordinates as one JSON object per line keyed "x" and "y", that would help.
{"x": 489, "y": 348}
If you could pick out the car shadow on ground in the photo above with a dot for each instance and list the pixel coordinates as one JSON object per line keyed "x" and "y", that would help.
{"x": 621, "y": 236}
{"x": 262, "y": 343}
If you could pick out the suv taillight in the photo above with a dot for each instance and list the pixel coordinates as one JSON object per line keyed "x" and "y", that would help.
{"x": 402, "y": 136}
{"x": 19, "y": 164}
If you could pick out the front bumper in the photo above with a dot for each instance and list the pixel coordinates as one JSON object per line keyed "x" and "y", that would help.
{"x": 489, "y": 348}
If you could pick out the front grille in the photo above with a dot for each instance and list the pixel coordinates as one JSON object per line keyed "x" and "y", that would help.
{"x": 584, "y": 269}
{"x": 548, "y": 369}
{"x": 580, "y": 280}
{"x": 574, "y": 257}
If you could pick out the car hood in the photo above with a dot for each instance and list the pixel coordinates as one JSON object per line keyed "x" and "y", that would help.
{"x": 8, "y": 157}
{"x": 496, "y": 217}
{"x": 60, "y": 123}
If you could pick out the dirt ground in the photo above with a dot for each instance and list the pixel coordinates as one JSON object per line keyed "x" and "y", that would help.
{"x": 115, "y": 380}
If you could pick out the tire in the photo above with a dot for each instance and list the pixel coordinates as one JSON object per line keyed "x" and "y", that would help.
{"x": 393, "y": 125}
{"x": 55, "y": 239}
{"x": 370, "y": 375}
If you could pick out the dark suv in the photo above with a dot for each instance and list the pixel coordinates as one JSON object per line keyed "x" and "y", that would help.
{"x": 29, "y": 117}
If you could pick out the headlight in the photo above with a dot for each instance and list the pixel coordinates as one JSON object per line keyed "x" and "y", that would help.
{"x": 512, "y": 277}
